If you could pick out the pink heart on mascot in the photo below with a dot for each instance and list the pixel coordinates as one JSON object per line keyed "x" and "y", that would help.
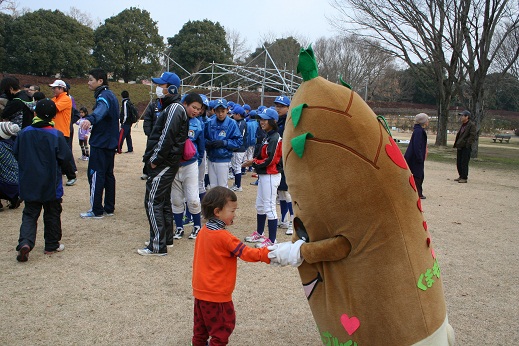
{"x": 350, "y": 324}
{"x": 395, "y": 154}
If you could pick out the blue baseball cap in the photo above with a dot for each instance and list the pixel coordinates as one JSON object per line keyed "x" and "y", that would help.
{"x": 205, "y": 100}
{"x": 282, "y": 100}
{"x": 246, "y": 107}
{"x": 269, "y": 114}
{"x": 167, "y": 78}
{"x": 220, "y": 103}
{"x": 238, "y": 110}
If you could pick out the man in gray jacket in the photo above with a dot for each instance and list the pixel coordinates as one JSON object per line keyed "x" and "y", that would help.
{"x": 464, "y": 140}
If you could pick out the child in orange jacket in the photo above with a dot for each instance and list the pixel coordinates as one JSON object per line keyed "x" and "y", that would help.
{"x": 215, "y": 266}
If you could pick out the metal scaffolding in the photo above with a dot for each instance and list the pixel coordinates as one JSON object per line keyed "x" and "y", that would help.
{"x": 248, "y": 77}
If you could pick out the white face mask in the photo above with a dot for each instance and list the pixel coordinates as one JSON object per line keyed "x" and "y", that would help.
{"x": 158, "y": 92}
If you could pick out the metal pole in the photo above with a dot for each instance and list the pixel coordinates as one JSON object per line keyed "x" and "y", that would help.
{"x": 212, "y": 78}
{"x": 264, "y": 76}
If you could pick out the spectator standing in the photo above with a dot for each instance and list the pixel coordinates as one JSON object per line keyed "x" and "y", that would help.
{"x": 463, "y": 143}
{"x": 238, "y": 155}
{"x": 62, "y": 123}
{"x": 417, "y": 151}
{"x": 9, "y": 187}
{"x": 33, "y": 89}
{"x": 215, "y": 267}
{"x": 127, "y": 120}
{"x": 40, "y": 149}
{"x": 104, "y": 135}
{"x": 16, "y": 110}
{"x": 164, "y": 150}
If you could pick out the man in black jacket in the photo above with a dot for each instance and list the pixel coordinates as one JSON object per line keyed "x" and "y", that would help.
{"x": 164, "y": 150}
{"x": 126, "y": 121}
{"x": 464, "y": 140}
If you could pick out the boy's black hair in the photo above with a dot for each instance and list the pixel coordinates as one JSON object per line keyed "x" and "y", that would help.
{"x": 84, "y": 110}
{"x": 125, "y": 94}
{"x": 99, "y": 73}
{"x": 217, "y": 197}
{"x": 8, "y": 83}
{"x": 38, "y": 95}
{"x": 193, "y": 97}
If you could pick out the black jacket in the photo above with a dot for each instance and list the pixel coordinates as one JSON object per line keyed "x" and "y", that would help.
{"x": 151, "y": 113}
{"x": 466, "y": 138}
{"x": 166, "y": 141}
{"x": 14, "y": 106}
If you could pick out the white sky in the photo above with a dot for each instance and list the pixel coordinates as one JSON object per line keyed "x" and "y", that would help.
{"x": 252, "y": 19}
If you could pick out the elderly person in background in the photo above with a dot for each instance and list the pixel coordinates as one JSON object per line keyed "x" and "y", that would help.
{"x": 9, "y": 187}
{"x": 417, "y": 151}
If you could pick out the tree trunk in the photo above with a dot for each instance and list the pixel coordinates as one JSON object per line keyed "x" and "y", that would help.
{"x": 479, "y": 114}
{"x": 443, "y": 118}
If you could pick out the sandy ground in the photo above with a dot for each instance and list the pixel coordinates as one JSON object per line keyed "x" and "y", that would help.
{"x": 100, "y": 291}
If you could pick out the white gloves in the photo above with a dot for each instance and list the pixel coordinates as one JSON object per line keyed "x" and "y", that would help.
{"x": 287, "y": 253}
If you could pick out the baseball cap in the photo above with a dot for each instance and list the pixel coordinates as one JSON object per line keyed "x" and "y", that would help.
{"x": 45, "y": 109}
{"x": 465, "y": 113}
{"x": 238, "y": 110}
{"x": 283, "y": 100}
{"x": 246, "y": 107}
{"x": 269, "y": 114}
{"x": 58, "y": 83}
{"x": 220, "y": 103}
{"x": 167, "y": 78}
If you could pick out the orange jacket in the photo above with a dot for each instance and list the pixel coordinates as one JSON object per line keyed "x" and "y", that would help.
{"x": 64, "y": 112}
{"x": 215, "y": 264}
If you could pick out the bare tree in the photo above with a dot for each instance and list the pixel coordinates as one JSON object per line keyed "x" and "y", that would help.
{"x": 82, "y": 17}
{"x": 487, "y": 29}
{"x": 356, "y": 61}
{"x": 424, "y": 31}
{"x": 238, "y": 45}
{"x": 507, "y": 54}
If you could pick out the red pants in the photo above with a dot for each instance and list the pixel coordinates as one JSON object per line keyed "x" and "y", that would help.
{"x": 215, "y": 320}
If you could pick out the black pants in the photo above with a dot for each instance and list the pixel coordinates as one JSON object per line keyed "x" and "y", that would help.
{"x": 101, "y": 178}
{"x": 157, "y": 202}
{"x": 418, "y": 182}
{"x": 462, "y": 162}
{"x": 51, "y": 221}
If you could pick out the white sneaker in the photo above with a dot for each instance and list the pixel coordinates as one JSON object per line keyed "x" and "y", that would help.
{"x": 290, "y": 229}
{"x": 282, "y": 224}
{"x": 255, "y": 238}
{"x": 179, "y": 233}
{"x": 236, "y": 188}
{"x": 147, "y": 242}
{"x": 194, "y": 233}
{"x": 148, "y": 252}
{"x": 60, "y": 248}
{"x": 144, "y": 177}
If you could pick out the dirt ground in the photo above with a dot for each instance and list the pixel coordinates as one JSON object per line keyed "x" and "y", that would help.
{"x": 100, "y": 291}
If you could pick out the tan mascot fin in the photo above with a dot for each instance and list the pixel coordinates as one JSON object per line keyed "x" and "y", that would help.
{"x": 368, "y": 267}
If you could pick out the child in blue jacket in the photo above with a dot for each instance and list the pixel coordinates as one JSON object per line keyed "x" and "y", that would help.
{"x": 41, "y": 150}
{"x": 222, "y": 137}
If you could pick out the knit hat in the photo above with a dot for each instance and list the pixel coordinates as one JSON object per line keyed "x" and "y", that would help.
{"x": 421, "y": 118}
{"x": 8, "y": 129}
{"x": 45, "y": 109}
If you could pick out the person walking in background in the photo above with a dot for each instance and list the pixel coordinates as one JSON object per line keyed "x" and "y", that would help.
{"x": 417, "y": 151}
{"x": 83, "y": 135}
{"x": 104, "y": 136}
{"x": 463, "y": 143}
{"x": 9, "y": 186}
{"x": 127, "y": 119}
{"x": 214, "y": 269}
{"x": 41, "y": 151}
{"x": 62, "y": 122}
{"x": 164, "y": 150}
{"x": 267, "y": 163}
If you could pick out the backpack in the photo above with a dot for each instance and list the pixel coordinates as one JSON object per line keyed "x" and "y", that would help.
{"x": 133, "y": 112}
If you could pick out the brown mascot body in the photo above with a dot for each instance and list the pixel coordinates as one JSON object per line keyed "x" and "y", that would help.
{"x": 369, "y": 270}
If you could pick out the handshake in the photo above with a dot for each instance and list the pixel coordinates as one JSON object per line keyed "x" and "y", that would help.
{"x": 219, "y": 143}
{"x": 287, "y": 253}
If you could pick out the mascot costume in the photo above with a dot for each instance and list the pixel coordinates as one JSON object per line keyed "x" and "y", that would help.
{"x": 367, "y": 263}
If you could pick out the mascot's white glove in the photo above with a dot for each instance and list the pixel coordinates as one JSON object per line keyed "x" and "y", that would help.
{"x": 287, "y": 253}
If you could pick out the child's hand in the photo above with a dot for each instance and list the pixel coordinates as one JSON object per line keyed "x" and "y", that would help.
{"x": 288, "y": 253}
